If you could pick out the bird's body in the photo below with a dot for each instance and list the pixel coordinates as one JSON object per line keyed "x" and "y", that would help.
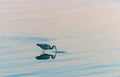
{"x": 45, "y": 56}
{"x": 46, "y": 47}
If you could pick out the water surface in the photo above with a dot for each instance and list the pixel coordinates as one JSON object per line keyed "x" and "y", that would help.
{"x": 80, "y": 60}
{"x": 87, "y": 30}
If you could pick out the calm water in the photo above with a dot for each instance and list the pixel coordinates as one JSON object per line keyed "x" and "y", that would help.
{"x": 96, "y": 58}
{"x": 87, "y": 30}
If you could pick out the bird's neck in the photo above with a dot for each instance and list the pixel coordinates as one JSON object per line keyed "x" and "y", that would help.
{"x": 53, "y": 47}
{"x": 53, "y": 56}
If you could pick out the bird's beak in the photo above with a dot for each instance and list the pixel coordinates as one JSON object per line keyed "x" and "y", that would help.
{"x": 36, "y": 44}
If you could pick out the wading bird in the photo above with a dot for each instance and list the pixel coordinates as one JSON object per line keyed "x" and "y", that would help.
{"x": 46, "y": 47}
{"x": 44, "y": 55}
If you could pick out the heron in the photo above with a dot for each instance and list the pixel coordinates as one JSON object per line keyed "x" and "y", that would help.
{"x": 46, "y": 47}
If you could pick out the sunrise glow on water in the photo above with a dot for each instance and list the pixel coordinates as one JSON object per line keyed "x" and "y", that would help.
{"x": 86, "y": 30}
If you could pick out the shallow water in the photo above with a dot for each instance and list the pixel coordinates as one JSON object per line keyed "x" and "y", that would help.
{"x": 87, "y": 31}
{"x": 80, "y": 60}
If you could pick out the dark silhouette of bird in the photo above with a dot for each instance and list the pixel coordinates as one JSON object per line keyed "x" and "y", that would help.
{"x": 45, "y": 56}
{"x": 46, "y": 47}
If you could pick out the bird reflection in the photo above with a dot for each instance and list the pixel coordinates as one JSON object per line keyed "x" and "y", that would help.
{"x": 46, "y": 56}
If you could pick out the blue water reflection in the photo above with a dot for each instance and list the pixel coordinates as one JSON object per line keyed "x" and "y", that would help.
{"x": 18, "y": 59}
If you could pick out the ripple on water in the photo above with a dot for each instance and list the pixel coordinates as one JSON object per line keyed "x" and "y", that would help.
{"x": 18, "y": 60}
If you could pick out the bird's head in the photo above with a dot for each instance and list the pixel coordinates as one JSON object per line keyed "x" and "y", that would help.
{"x": 37, "y": 44}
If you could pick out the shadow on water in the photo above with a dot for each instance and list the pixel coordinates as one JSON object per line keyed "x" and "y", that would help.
{"x": 61, "y": 52}
{"x": 45, "y": 56}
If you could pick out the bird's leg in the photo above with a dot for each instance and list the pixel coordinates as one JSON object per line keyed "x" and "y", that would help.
{"x": 43, "y": 52}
